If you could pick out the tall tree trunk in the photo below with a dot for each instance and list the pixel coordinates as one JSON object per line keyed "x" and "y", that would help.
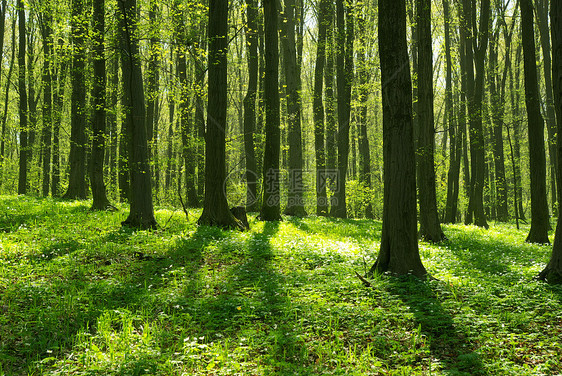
{"x": 47, "y": 36}
{"x": 22, "y": 181}
{"x": 430, "y": 228}
{"x": 250, "y": 105}
{"x": 153, "y": 83}
{"x": 271, "y": 210}
{"x": 516, "y": 100}
{"x": 111, "y": 114}
{"x": 215, "y": 206}
{"x": 141, "y": 214}
{"x": 537, "y": 159}
{"x": 331, "y": 125}
{"x": 552, "y": 273}
{"x": 399, "y": 253}
{"x": 77, "y": 157}
{"x": 295, "y": 197}
{"x": 344, "y": 59}
{"x": 7, "y": 100}
{"x": 324, "y": 21}
{"x": 58, "y": 99}
{"x": 100, "y": 201}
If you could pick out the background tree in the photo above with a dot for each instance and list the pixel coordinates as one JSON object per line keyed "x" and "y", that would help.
{"x": 22, "y": 182}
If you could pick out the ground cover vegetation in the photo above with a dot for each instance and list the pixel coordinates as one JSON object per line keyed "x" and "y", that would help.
{"x": 81, "y": 295}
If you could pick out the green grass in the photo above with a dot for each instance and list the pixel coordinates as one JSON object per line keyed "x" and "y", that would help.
{"x": 79, "y": 295}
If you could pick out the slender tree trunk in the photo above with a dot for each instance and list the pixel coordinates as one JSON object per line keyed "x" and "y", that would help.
{"x": 399, "y": 252}
{"x": 111, "y": 114}
{"x": 295, "y": 197}
{"x": 271, "y": 210}
{"x": 47, "y": 35}
{"x": 77, "y": 157}
{"x": 153, "y": 83}
{"x": 537, "y": 159}
{"x": 331, "y": 126}
{"x": 141, "y": 214}
{"x": 517, "y": 128}
{"x": 22, "y": 181}
{"x": 344, "y": 59}
{"x": 552, "y": 273}
{"x": 324, "y": 21}
{"x": 58, "y": 99}
{"x": 215, "y": 206}
{"x": 250, "y": 105}
{"x": 430, "y": 228}
{"x": 7, "y": 100}
{"x": 100, "y": 201}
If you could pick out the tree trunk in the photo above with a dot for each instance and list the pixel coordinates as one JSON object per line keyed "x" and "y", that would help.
{"x": 331, "y": 126}
{"x": 7, "y": 100}
{"x": 77, "y": 157}
{"x": 153, "y": 83}
{"x": 58, "y": 99}
{"x": 324, "y": 21}
{"x": 141, "y": 214}
{"x": 47, "y": 36}
{"x": 399, "y": 252}
{"x": 430, "y": 228}
{"x": 295, "y": 197}
{"x": 100, "y": 201}
{"x": 552, "y": 273}
{"x": 215, "y": 205}
{"x": 22, "y": 181}
{"x": 250, "y": 106}
{"x": 344, "y": 60}
{"x": 271, "y": 210}
{"x": 537, "y": 160}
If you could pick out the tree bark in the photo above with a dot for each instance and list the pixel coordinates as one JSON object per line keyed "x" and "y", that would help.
{"x": 271, "y": 210}
{"x": 153, "y": 83}
{"x": 399, "y": 252}
{"x": 215, "y": 205}
{"x": 22, "y": 178}
{"x": 537, "y": 159}
{"x": 430, "y": 228}
{"x": 47, "y": 37}
{"x": 141, "y": 214}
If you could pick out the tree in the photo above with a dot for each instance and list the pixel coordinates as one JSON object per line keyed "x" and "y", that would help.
{"x": 295, "y": 197}
{"x": 100, "y": 200}
{"x": 271, "y": 209}
{"x": 77, "y": 157}
{"x": 537, "y": 159}
{"x": 46, "y": 20}
{"x": 399, "y": 253}
{"x": 215, "y": 205}
{"x": 552, "y": 273}
{"x": 141, "y": 214}
{"x": 22, "y": 181}
{"x": 430, "y": 229}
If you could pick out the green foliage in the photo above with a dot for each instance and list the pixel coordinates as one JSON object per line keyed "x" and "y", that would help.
{"x": 79, "y": 295}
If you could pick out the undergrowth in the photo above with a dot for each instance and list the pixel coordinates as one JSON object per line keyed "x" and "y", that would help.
{"x": 79, "y": 295}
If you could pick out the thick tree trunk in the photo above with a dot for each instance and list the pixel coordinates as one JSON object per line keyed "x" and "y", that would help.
{"x": 22, "y": 181}
{"x": 58, "y": 99}
{"x": 100, "y": 200}
{"x": 537, "y": 159}
{"x": 324, "y": 21}
{"x": 399, "y": 252}
{"x": 271, "y": 210}
{"x": 295, "y": 197}
{"x": 344, "y": 60}
{"x": 77, "y": 157}
{"x": 552, "y": 273}
{"x": 430, "y": 228}
{"x": 153, "y": 83}
{"x": 141, "y": 214}
{"x": 331, "y": 126}
{"x": 215, "y": 205}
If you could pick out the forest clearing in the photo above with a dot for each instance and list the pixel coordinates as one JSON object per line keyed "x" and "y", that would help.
{"x": 81, "y": 295}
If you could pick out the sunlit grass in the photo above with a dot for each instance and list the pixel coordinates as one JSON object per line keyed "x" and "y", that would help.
{"x": 79, "y": 295}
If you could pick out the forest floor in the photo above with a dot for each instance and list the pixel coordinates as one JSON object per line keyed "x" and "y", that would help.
{"x": 79, "y": 295}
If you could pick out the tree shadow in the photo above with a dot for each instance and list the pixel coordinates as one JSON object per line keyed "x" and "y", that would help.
{"x": 447, "y": 343}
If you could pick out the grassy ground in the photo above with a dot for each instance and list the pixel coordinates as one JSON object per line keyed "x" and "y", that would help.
{"x": 79, "y": 295}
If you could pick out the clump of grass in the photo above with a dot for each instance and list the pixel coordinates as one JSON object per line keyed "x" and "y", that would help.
{"x": 79, "y": 295}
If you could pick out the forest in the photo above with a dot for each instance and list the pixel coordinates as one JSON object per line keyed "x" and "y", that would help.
{"x": 280, "y": 187}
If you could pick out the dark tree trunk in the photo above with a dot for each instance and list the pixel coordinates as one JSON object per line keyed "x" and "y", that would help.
{"x": 58, "y": 99}
{"x": 171, "y": 116}
{"x": 7, "y": 100}
{"x": 250, "y": 106}
{"x": 537, "y": 159}
{"x": 215, "y": 205}
{"x": 515, "y": 100}
{"x": 22, "y": 181}
{"x": 430, "y": 228}
{"x": 324, "y": 21}
{"x": 77, "y": 157}
{"x": 552, "y": 273}
{"x": 344, "y": 60}
{"x": 47, "y": 36}
{"x": 399, "y": 252}
{"x": 271, "y": 210}
{"x": 331, "y": 125}
{"x": 295, "y": 197}
{"x": 111, "y": 114}
{"x": 100, "y": 201}
{"x": 153, "y": 83}
{"x": 141, "y": 214}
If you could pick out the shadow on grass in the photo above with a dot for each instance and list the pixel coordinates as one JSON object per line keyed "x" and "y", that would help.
{"x": 358, "y": 229}
{"x": 447, "y": 343}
